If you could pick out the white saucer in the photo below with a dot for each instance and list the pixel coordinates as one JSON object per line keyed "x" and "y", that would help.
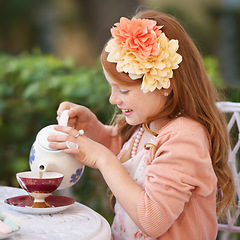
{"x": 8, "y": 234}
{"x": 20, "y": 204}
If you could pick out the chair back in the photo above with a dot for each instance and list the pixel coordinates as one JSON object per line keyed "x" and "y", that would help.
{"x": 232, "y": 111}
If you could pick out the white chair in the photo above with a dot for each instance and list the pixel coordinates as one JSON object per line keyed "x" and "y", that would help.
{"x": 232, "y": 110}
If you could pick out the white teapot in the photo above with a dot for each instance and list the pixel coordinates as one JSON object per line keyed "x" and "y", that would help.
{"x": 44, "y": 158}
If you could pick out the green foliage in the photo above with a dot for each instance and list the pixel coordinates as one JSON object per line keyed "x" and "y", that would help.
{"x": 229, "y": 93}
{"x": 212, "y": 65}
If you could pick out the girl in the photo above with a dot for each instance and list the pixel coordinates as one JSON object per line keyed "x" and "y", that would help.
{"x": 165, "y": 160}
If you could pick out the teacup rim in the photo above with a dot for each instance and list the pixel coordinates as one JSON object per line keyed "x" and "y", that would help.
{"x": 59, "y": 175}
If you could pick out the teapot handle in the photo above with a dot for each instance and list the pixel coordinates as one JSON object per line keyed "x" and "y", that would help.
{"x": 63, "y": 120}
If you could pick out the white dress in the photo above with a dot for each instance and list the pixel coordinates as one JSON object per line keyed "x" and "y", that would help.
{"x": 123, "y": 228}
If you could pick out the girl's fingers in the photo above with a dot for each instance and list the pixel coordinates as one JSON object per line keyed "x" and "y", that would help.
{"x": 68, "y": 130}
{"x": 73, "y": 151}
{"x": 72, "y": 122}
{"x": 64, "y": 134}
{"x": 63, "y": 106}
{"x": 57, "y": 145}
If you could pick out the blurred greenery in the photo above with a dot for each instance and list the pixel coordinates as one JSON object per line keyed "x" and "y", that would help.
{"x": 227, "y": 92}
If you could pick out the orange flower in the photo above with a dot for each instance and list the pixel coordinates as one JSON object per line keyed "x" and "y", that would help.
{"x": 138, "y": 35}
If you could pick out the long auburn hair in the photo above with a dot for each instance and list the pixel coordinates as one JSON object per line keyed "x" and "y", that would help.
{"x": 192, "y": 92}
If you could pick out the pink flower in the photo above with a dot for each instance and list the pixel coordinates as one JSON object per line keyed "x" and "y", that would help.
{"x": 138, "y": 35}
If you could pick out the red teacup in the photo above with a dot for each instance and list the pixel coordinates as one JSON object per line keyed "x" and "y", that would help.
{"x": 39, "y": 188}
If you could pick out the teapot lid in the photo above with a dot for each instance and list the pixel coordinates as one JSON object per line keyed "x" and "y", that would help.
{"x": 46, "y": 131}
{"x": 43, "y": 135}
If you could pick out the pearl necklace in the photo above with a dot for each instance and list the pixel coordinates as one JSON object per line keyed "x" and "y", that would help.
{"x": 137, "y": 141}
{"x": 139, "y": 136}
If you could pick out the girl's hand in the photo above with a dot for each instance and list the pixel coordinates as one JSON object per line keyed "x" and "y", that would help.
{"x": 81, "y": 117}
{"x": 89, "y": 152}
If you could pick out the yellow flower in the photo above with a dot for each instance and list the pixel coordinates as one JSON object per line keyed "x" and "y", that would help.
{"x": 156, "y": 71}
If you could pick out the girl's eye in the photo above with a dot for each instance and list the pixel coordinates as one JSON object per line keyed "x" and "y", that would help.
{"x": 124, "y": 91}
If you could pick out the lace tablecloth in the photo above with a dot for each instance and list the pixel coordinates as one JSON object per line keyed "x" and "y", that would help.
{"x": 77, "y": 222}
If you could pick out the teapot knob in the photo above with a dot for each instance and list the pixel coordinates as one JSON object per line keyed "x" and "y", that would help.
{"x": 63, "y": 120}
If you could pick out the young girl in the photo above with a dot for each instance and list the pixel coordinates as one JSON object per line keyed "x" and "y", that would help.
{"x": 165, "y": 160}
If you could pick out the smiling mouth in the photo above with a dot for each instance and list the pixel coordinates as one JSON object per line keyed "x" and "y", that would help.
{"x": 126, "y": 110}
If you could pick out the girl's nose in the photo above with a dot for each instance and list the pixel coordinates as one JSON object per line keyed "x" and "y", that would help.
{"x": 114, "y": 99}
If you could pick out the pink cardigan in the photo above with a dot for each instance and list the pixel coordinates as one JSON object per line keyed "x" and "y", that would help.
{"x": 179, "y": 199}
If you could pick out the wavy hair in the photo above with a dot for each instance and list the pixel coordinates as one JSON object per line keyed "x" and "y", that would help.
{"x": 192, "y": 92}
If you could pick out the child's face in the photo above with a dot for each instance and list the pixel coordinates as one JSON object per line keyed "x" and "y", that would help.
{"x": 135, "y": 105}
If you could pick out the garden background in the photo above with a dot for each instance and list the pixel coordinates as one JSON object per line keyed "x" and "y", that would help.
{"x": 49, "y": 53}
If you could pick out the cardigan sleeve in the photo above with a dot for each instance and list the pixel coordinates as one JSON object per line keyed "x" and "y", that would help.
{"x": 181, "y": 166}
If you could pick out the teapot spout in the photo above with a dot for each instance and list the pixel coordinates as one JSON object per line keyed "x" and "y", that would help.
{"x": 41, "y": 169}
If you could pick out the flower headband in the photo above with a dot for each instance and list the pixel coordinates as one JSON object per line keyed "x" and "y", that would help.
{"x": 141, "y": 49}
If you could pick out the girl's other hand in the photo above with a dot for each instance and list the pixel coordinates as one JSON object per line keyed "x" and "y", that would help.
{"x": 81, "y": 117}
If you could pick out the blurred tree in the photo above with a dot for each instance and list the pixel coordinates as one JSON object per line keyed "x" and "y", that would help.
{"x": 73, "y": 28}
{"x": 228, "y": 46}
{"x": 16, "y": 25}
{"x": 85, "y": 26}
{"x": 198, "y": 17}
{"x": 100, "y": 15}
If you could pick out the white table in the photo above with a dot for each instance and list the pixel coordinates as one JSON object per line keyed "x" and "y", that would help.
{"x": 77, "y": 222}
